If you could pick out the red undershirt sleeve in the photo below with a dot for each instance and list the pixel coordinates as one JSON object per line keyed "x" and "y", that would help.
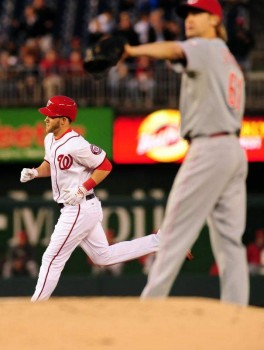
{"x": 106, "y": 166}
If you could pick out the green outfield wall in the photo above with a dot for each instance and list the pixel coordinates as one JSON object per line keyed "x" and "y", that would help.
{"x": 127, "y": 285}
{"x": 22, "y": 131}
{"x": 128, "y": 217}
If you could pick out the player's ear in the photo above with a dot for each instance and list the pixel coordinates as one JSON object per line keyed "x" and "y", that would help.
{"x": 215, "y": 20}
{"x": 66, "y": 120}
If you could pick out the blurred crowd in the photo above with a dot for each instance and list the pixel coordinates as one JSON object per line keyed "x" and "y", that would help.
{"x": 32, "y": 51}
{"x": 255, "y": 255}
{"x": 20, "y": 259}
{"x": 34, "y": 55}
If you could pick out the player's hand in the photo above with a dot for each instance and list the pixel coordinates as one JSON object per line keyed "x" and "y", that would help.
{"x": 128, "y": 50}
{"x": 28, "y": 174}
{"x": 74, "y": 197}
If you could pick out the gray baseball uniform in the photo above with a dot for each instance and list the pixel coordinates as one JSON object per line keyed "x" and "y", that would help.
{"x": 210, "y": 184}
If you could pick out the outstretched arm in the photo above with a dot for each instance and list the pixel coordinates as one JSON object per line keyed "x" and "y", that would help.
{"x": 167, "y": 50}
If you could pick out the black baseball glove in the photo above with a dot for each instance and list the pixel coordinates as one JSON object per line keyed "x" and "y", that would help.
{"x": 103, "y": 55}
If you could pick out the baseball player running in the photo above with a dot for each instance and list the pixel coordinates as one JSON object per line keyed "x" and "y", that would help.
{"x": 76, "y": 167}
{"x": 210, "y": 184}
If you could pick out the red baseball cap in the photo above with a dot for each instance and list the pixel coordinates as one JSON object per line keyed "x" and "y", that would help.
{"x": 60, "y": 106}
{"x": 211, "y": 6}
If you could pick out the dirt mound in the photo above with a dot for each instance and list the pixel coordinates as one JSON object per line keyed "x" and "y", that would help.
{"x": 129, "y": 324}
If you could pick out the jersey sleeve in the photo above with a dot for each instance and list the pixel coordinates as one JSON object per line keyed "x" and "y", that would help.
{"x": 196, "y": 53}
{"x": 89, "y": 155}
{"x": 47, "y": 143}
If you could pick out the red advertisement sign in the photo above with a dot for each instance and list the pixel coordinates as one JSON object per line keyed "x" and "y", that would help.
{"x": 252, "y": 138}
{"x": 156, "y": 138}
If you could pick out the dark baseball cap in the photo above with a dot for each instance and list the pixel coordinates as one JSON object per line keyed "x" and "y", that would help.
{"x": 211, "y": 6}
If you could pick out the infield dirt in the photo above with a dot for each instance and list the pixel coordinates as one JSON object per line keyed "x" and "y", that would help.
{"x": 129, "y": 324}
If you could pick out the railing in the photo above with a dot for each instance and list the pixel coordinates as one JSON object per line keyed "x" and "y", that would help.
{"x": 126, "y": 94}
{"x": 255, "y": 91}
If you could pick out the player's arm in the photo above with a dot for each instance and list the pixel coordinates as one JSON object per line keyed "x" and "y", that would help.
{"x": 44, "y": 169}
{"x": 29, "y": 174}
{"x": 98, "y": 175}
{"x": 167, "y": 50}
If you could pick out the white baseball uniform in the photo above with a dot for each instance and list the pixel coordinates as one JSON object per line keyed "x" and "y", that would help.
{"x": 211, "y": 183}
{"x": 72, "y": 160}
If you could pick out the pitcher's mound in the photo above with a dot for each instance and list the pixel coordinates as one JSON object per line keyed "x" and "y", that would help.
{"x": 129, "y": 324}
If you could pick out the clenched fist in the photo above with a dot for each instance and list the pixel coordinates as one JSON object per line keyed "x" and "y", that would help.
{"x": 74, "y": 197}
{"x": 28, "y": 174}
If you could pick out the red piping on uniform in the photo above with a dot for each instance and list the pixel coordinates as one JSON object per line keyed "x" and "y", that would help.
{"x": 55, "y": 161}
{"x": 59, "y": 251}
{"x": 68, "y": 130}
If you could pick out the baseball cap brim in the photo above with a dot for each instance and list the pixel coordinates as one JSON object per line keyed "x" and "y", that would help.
{"x": 182, "y": 10}
{"x": 47, "y": 112}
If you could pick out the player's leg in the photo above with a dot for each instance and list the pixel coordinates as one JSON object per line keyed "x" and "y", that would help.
{"x": 227, "y": 225}
{"x": 177, "y": 236}
{"x": 196, "y": 189}
{"x": 101, "y": 253}
{"x": 67, "y": 235}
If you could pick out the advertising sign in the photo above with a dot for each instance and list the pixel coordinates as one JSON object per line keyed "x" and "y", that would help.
{"x": 252, "y": 138}
{"x": 22, "y": 132}
{"x": 156, "y": 138}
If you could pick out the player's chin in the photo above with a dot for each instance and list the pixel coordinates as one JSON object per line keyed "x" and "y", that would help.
{"x": 189, "y": 33}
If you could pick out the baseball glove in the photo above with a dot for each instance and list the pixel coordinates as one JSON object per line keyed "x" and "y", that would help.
{"x": 103, "y": 55}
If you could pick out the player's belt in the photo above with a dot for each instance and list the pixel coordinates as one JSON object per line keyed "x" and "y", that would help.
{"x": 90, "y": 196}
{"x": 217, "y": 134}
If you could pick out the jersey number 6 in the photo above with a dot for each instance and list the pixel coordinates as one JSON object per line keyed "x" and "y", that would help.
{"x": 234, "y": 91}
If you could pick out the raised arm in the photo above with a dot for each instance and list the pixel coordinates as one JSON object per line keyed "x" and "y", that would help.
{"x": 167, "y": 50}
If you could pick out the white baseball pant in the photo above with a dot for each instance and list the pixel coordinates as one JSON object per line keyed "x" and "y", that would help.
{"x": 81, "y": 225}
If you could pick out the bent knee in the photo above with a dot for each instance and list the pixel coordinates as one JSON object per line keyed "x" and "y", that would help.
{"x": 102, "y": 259}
